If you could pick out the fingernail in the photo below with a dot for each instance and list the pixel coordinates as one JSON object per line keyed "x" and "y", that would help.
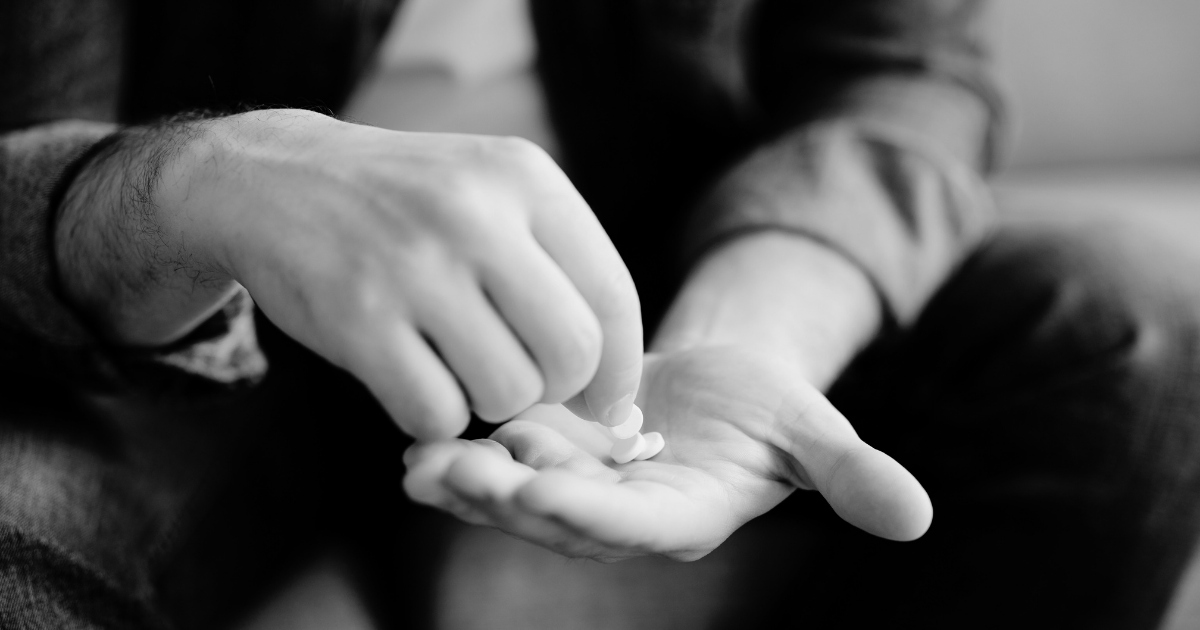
{"x": 619, "y": 412}
{"x": 625, "y": 451}
{"x": 631, "y": 426}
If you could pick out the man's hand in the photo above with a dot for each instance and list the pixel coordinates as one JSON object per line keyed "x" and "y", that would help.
{"x": 761, "y": 326}
{"x": 425, "y": 264}
{"x": 742, "y": 431}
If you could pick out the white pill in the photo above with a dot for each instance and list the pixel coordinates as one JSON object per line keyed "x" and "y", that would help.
{"x": 624, "y": 451}
{"x": 654, "y": 445}
{"x": 630, "y": 427}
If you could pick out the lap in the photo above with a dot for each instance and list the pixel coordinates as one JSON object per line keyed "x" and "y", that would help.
{"x": 192, "y": 509}
{"x": 1046, "y": 398}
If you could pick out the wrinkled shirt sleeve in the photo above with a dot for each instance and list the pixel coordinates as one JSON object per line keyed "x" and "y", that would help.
{"x": 60, "y": 72}
{"x": 885, "y": 121}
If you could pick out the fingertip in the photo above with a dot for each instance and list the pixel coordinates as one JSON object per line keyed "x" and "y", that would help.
{"x": 548, "y": 435}
{"x": 481, "y": 474}
{"x": 610, "y": 415}
{"x": 426, "y": 416}
{"x": 435, "y": 419}
{"x": 875, "y": 493}
{"x": 496, "y": 447}
{"x": 613, "y": 390}
{"x": 421, "y": 489}
{"x": 409, "y": 380}
{"x": 438, "y": 429}
{"x": 413, "y": 454}
{"x": 426, "y": 465}
{"x": 522, "y": 392}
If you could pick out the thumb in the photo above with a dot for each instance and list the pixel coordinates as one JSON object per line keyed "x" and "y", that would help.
{"x": 864, "y": 486}
{"x": 873, "y": 492}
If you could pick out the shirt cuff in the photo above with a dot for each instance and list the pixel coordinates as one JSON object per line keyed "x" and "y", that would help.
{"x": 220, "y": 354}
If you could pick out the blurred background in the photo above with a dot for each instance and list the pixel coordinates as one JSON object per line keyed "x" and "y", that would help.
{"x": 1104, "y": 109}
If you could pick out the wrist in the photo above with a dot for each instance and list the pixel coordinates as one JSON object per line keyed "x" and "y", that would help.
{"x": 125, "y": 257}
{"x": 780, "y": 293}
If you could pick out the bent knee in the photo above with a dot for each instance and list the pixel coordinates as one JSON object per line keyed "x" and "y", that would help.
{"x": 1084, "y": 291}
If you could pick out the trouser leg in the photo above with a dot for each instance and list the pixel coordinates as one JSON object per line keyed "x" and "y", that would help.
{"x": 137, "y": 511}
{"x": 322, "y": 470}
{"x": 1049, "y": 400}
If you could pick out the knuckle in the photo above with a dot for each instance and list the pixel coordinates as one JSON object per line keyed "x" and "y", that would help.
{"x": 456, "y": 199}
{"x": 351, "y": 324}
{"x": 527, "y": 162}
{"x": 522, "y": 151}
{"x": 365, "y": 296}
{"x": 457, "y": 187}
{"x": 470, "y": 214}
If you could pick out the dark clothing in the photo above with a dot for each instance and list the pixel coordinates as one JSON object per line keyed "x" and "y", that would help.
{"x": 861, "y": 124}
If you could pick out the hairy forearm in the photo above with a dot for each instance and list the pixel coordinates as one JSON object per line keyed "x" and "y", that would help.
{"x": 781, "y": 293}
{"x": 123, "y": 258}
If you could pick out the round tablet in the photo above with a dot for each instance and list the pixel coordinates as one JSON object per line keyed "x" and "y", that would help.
{"x": 630, "y": 427}
{"x": 624, "y": 451}
{"x": 654, "y": 445}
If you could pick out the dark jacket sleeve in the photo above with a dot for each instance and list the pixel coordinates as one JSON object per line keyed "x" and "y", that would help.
{"x": 60, "y": 76}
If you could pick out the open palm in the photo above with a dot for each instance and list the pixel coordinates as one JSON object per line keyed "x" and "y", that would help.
{"x": 742, "y": 432}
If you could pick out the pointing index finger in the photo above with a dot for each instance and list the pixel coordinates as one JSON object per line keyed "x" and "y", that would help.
{"x": 568, "y": 230}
